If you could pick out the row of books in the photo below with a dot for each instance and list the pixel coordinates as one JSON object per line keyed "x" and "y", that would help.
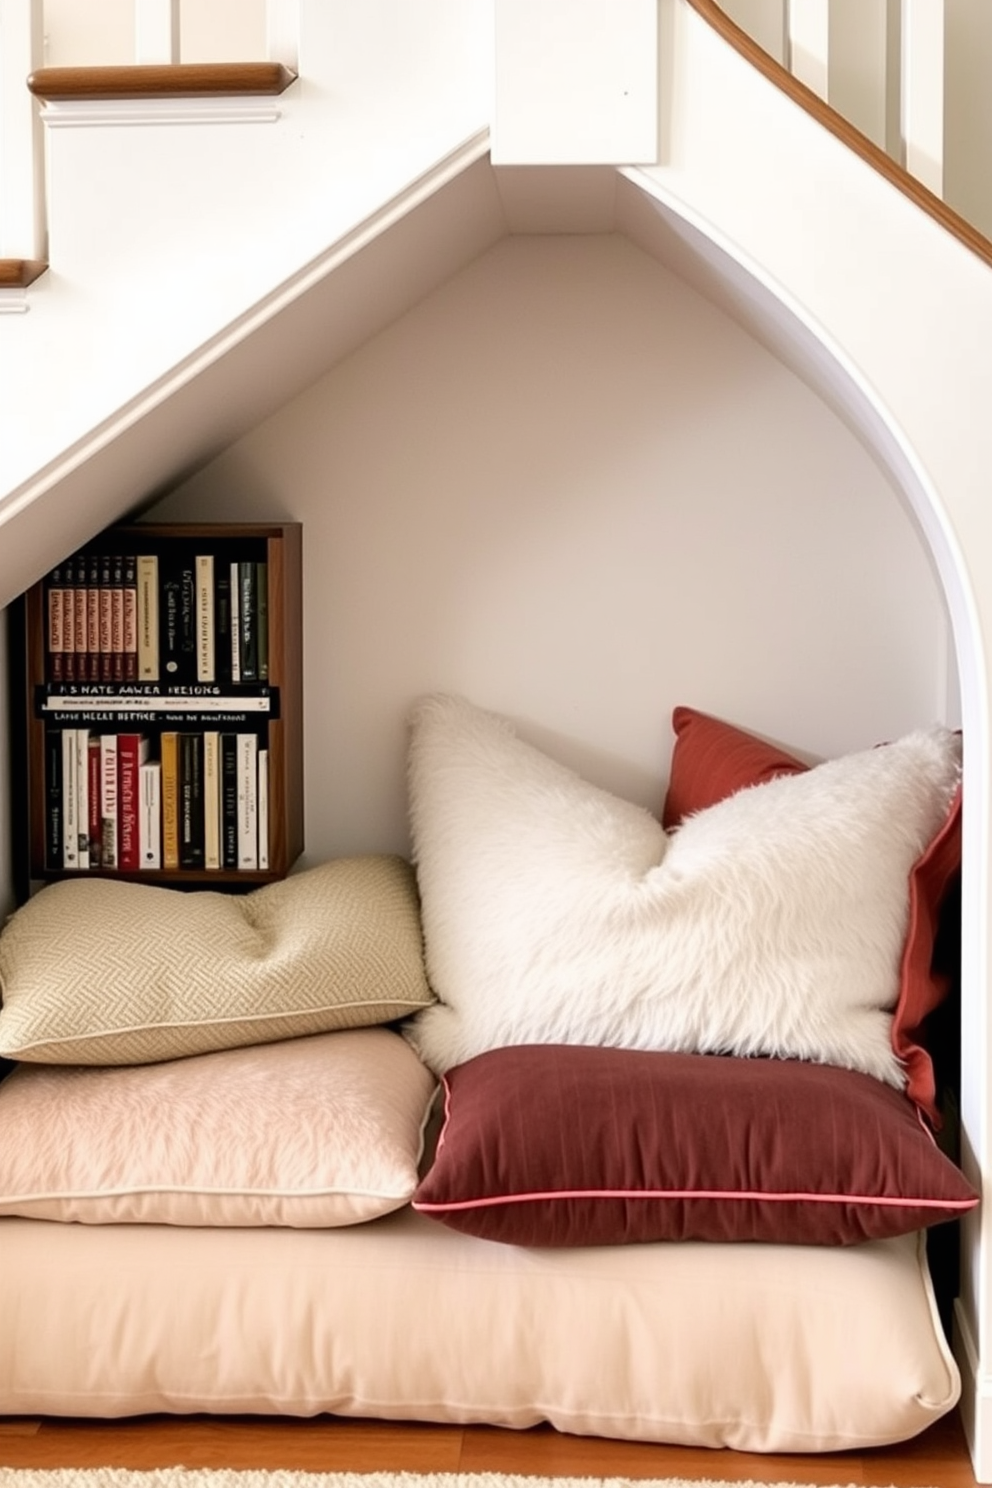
{"x": 126, "y": 802}
{"x": 180, "y": 617}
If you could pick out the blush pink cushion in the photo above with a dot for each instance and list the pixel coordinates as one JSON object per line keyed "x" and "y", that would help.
{"x": 712, "y": 760}
{"x": 572, "y": 1145}
{"x": 317, "y": 1131}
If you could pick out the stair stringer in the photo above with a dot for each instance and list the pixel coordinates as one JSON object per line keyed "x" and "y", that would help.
{"x": 889, "y": 317}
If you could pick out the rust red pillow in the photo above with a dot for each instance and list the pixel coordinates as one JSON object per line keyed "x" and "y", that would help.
{"x": 561, "y": 1145}
{"x": 712, "y": 759}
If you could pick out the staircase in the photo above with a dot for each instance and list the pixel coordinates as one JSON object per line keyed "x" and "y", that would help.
{"x": 209, "y": 257}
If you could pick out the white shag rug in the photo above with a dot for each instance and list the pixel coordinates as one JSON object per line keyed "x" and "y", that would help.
{"x": 182, "y": 1477}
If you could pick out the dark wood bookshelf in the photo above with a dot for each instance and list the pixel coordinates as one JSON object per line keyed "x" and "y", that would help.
{"x": 282, "y": 731}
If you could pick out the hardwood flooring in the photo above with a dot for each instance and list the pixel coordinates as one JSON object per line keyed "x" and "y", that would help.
{"x": 936, "y": 1459}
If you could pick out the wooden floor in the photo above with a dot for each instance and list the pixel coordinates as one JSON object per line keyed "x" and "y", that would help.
{"x": 936, "y": 1459}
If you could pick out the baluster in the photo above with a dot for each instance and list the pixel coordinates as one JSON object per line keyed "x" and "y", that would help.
{"x": 282, "y": 27}
{"x": 809, "y": 44}
{"x": 22, "y": 196}
{"x": 156, "y": 31}
{"x": 923, "y": 91}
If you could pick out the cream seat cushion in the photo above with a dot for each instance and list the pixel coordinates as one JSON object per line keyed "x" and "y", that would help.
{"x": 765, "y": 1348}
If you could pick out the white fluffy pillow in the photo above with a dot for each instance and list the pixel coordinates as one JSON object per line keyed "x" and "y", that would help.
{"x": 772, "y": 923}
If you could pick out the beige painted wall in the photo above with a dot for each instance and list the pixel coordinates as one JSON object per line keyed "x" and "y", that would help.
{"x": 570, "y": 488}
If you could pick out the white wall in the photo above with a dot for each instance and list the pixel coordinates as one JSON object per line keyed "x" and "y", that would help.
{"x": 569, "y": 487}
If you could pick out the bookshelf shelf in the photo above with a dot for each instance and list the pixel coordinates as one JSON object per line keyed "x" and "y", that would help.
{"x": 162, "y": 735}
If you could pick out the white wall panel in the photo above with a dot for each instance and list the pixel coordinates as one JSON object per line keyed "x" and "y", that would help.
{"x": 569, "y": 487}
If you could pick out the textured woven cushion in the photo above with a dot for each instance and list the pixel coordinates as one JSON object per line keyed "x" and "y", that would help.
{"x": 103, "y": 972}
{"x": 772, "y": 923}
{"x": 560, "y": 1145}
{"x": 712, "y": 759}
{"x": 316, "y": 1131}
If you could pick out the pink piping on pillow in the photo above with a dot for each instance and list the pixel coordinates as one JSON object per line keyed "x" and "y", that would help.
{"x": 746, "y": 1195}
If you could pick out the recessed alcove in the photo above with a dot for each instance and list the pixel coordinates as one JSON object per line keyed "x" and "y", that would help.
{"x": 568, "y": 484}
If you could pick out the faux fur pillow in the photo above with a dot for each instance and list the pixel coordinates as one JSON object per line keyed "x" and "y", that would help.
{"x": 772, "y": 923}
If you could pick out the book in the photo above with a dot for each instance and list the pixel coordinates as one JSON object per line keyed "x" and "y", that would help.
{"x": 248, "y": 619}
{"x": 53, "y": 798}
{"x": 211, "y": 799}
{"x": 92, "y": 562}
{"x": 132, "y": 751}
{"x": 206, "y": 663}
{"x": 150, "y": 814}
{"x": 82, "y": 737}
{"x": 147, "y": 613}
{"x": 190, "y": 800}
{"x": 80, "y": 627}
{"x": 263, "y": 808}
{"x": 117, "y": 618}
{"x": 229, "y": 800}
{"x": 222, "y": 621}
{"x": 234, "y": 579}
{"x": 106, "y": 605}
{"x": 108, "y": 800}
{"x": 130, "y": 596}
{"x": 55, "y": 613}
{"x": 70, "y": 801}
{"x": 247, "y": 778}
{"x": 177, "y": 616}
{"x": 169, "y": 757}
{"x": 93, "y": 799}
{"x": 262, "y": 591}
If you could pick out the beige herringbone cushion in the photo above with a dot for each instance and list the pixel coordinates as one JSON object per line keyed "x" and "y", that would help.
{"x": 103, "y": 972}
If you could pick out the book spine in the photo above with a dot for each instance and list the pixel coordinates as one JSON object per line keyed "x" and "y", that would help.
{"x": 150, "y": 814}
{"x": 55, "y": 608}
{"x": 129, "y": 576}
{"x": 206, "y": 669}
{"x": 146, "y": 568}
{"x": 53, "y": 799}
{"x": 70, "y": 802}
{"x": 93, "y": 798}
{"x": 169, "y": 755}
{"x": 229, "y": 800}
{"x": 177, "y": 617}
{"x": 83, "y": 797}
{"x": 263, "y": 808}
{"x": 108, "y": 800}
{"x": 248, "y": 619}
{"x": 80, "y": 627}
{"x": 132, "y": 750}
{"x": 116, "y": 618}
{"x": 106, "y": 604}
{"x": 191, "y": 800}
{"x": 93, "y": 616}
{"x": 222, "y": 621}
{"x": 262, "y": 592}
{"x": 247, "y": 801}
{"x": 235, "y": 621}
{"x": 211, "y": 799}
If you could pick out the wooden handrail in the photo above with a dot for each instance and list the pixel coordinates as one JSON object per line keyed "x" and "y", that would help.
{"x": 161, "y": 80}
{"x": 18, "y": 273}
{"x": 845, "y": 131}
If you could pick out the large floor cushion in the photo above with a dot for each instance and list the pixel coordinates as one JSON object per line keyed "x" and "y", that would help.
{"x": 757, "y": 1347}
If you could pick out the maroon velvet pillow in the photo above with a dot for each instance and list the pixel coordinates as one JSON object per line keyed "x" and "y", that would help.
{"x": 570, "y": 1145}
{"x": 712, "y": 759}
